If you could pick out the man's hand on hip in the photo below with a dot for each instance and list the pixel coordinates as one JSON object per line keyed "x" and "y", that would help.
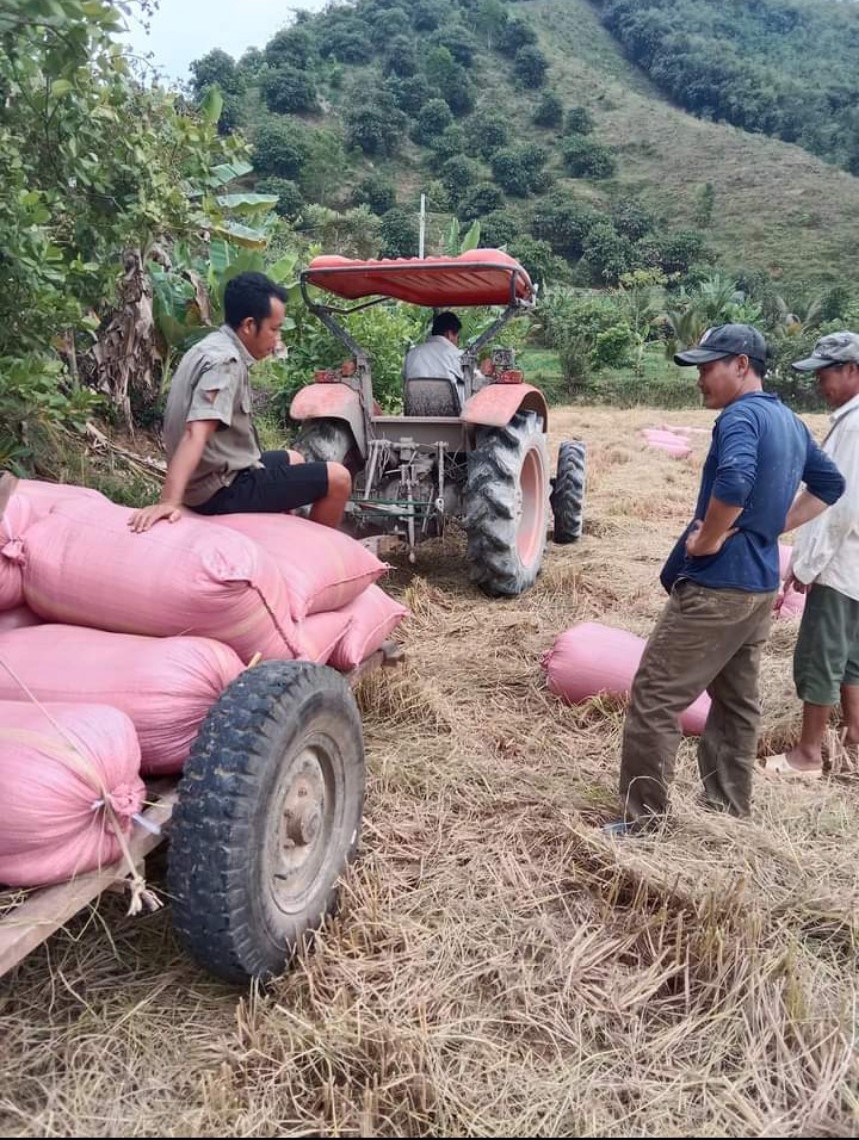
{"x": 699, "y": 544}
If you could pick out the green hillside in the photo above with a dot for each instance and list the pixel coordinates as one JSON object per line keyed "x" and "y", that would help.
{"x": 389, "y": 100}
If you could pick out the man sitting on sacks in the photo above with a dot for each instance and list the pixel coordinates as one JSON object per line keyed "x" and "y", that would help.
{"x": 215, "y": 464}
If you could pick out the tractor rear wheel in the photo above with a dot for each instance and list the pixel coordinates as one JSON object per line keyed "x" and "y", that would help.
{"x": 507, "y": 505}
{"x": 568, "y": 492}
{"x": 269, "y": 814}
{"x": 328, "y": 441}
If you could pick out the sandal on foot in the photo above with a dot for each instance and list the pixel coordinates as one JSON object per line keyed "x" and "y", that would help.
{"x": 779, "y": 765}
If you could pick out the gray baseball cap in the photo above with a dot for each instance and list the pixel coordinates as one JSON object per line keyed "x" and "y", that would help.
{"x": 725, "y": 340}
{"x": 834, "y": 348}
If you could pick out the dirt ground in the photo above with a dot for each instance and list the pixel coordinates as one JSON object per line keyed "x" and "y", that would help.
{"x": 499, "y": 966}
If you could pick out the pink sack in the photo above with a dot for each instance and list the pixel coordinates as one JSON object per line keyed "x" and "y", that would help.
{"x": 84, "y": 565}
{"x": 15, "y": 520}
{"x": 591, "y": 658}
{"x": 675, "y": 450}
{"x": 18, "y": 618}
{"x": 793, "y": 603}
{"x": 57, "y": 772}
{"x": 687, "y": 430}
{"x": 324, "y": 569}
{"x": 375, "y": 616}
{"x": 318, "y": 634}
{"x": 43, "y": 497}
{"x": 660, "y": 435}
{"x": 165, "y": 685}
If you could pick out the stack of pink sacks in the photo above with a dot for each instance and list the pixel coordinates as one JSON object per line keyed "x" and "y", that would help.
{"x": 590, "y": 659}
{"x": 150, "y": 628}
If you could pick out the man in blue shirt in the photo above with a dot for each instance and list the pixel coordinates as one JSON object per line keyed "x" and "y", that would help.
{"x": 722, "y": 578}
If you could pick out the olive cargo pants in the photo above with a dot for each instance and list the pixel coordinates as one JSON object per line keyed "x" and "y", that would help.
{"x": 705, "y": 639}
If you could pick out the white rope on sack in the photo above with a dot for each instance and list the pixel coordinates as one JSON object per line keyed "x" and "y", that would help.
{"x": 141, "y": 895}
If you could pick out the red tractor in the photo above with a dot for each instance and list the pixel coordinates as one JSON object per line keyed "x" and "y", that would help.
{"x": 482, "y": 459}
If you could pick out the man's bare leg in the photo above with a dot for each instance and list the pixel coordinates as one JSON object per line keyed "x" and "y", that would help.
{"x": 329, "y": 511}
{"x": 807, "y": 755}
{"x": 850, "y": 712}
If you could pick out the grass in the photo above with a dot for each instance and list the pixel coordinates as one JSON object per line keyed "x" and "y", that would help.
{"x": 499, "y": 967}
{"x": 659, "y": 383}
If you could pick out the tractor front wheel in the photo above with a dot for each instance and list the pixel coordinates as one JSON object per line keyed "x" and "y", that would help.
{"x": 507, "y": 505}
{"x": 329, "y": 441}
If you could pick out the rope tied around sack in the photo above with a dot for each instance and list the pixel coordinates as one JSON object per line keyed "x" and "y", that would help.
{"x": 114, "y": 804}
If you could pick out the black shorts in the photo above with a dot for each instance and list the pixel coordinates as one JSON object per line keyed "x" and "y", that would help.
{"x": 274, "y": 488}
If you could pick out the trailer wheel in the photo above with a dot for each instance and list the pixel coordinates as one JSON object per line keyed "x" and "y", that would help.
{"x": 268, "y": 817}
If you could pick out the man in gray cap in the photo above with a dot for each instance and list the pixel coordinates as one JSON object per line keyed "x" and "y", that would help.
{"x": 825, "y": 563}
{"x": 722, "y": 578}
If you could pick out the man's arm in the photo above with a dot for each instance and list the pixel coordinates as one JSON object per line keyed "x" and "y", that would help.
{"x": 825, "y": 485}
{"x": 709, "y": 536}
{"x": 181, "y": 467}
{"x": 735, "y": 477}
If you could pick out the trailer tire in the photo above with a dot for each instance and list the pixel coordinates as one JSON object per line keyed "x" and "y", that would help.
{"x": 269, "y": 814}
{"x": 568, "y": 492}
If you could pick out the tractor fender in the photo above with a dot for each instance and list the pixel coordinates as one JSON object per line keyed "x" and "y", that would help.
{"x": 497, "y": 404}
{"x": 331, "y": 402}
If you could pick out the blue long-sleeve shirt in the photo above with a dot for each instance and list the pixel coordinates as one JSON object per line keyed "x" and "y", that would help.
{"x": 759, "y": 455}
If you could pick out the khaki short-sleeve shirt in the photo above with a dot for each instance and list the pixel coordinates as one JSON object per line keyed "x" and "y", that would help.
{"x": 212, "y": 382}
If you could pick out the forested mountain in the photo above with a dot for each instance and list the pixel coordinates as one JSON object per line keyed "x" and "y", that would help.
{"x": 530, "y": 118}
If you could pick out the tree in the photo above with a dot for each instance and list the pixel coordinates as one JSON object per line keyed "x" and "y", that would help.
{"x": 631, "y": 219}
{"x": 427, "y": 15}
{"x": 449, "y": 144}
{"x": 280, "y": 148}
{"x": 409, "y": 95}
{"x": 608, "y": 254}
{"x": 564, "y": 222}
{"x": 480, "y": 199}
{"x": 375, "y": 125}
{"x": 458, "y": 175}
{"x": 377, "y": 192}
{"x": 705, "y": 201}
{"x": 530, "y": 66}
{"x": 517, "y": 170}
{"x": 489, "y": 19}
{"x": 586, "y": 159}
{"x": 449, "y": 79}
{"x": 550, "y": 111}
{"x": 289, "y": 199}
{"x": 292, "y": 47}
{"x": 486, "y": 132}
{"x": 399, "y": 235}
{"x": 515, "y": 35}
{"x": 288, "y": 91}
{"x": 322, "y": 171}
{"x": 353, "y": 233}
{"x": 217, "y": 69}
{"x": 543, "y": 266}
{"x": 459, "y": 42}
{"x": 433, "y": 120}
{"x": 400, "y": 57}
{"x": 499, "y": 228}
{"x": 579, "y": 121}
{"x": 683, "y": 249}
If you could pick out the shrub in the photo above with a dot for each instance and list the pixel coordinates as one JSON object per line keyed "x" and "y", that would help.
{"x": 564, "y": 223}
{"x": 550, "y": 111}
{"x": 631, "y": 219}
{"x": 409, "y": 95}
{"x": 515, "y": 35}
{"x": 399, "y": 234}
{"x": 400, "y": 57}
{"x": 486, "y": 132}
{"x": 512, "y": 172}
{"x": 479, "y": 200}
{"x": 433, "y": 120}
{"x": 608, "y": 254}
{"x": 375, "y": 125}
{"x": 586, "y": 159}
{"x": 292, "y": 47}
{"x": 449, "y": 144}
{"x": 287, "y": 91}
{"x": 544, "y": 267}
{"x": 459, "y": 42}
{"x": 280, "y": 148}
{"x": 459, "y": 174}
{"x": 377, "y": 192}
{"x": 498, "y": 228}
{"x": 578, "y": 121}
{"x": 289, "y": 198}
{"x": 530, "y": 66}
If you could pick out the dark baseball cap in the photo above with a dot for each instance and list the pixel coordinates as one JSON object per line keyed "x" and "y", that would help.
{"x": 834, "y": 348}
{"x": 725, "y": 340}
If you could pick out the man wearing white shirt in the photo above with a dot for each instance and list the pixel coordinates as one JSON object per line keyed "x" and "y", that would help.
{"x": 825, "y": 563}
{"x": 439, "y": 356}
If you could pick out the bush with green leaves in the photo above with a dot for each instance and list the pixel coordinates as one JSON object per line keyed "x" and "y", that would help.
{"x": 427, "y": 15}
{"x": 544, "y": 267}
{"x": 375, "y": 125}
{"x": 459, "y": 42}
{"x": 409, "y": 95}
{"x": 280, "y": 148}
{"x": 682, "y": 249}
{"x": 486, "y": 132}
{"x": 608, "y": 254}
{"x": 288, "y": 91}
{"x": 399, "y": 233}
{"x": 400, "y": 57}
{"x": 512, "y": 172}
{"x": 376, "y": 191}
{"x": 579, "y": 324}
{"x": 216, "y": 68}
{"x": 459, "y": 174}
{"x": 450, "y": 79}
{"x": 515, "y": 35}
{"x": 482, "y": 198}
{"x": 449, "y": 144}
{"x": 564, "y": 222}
{"x": 631, "y": 219}
{"x": 499, "y": 228}
{"x": 289, "y": 198}
{"x": 291, "y": 47}
{"x": 530, "y": 66}
{"x": 433, "y": 120}
{"x": 549, "y": 111}
{"x": 578, "y": 121}
{"x": 350, "y": 233}
{"x": 584, "y": 158}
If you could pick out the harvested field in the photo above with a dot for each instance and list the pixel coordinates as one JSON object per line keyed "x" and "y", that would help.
{"x": 499, "y": 966}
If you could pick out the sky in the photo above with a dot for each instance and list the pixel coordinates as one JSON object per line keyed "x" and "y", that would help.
{"x": 183, "y": 30}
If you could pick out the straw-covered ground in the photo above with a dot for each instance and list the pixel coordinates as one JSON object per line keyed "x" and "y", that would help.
{"x": 499, "y": 966}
